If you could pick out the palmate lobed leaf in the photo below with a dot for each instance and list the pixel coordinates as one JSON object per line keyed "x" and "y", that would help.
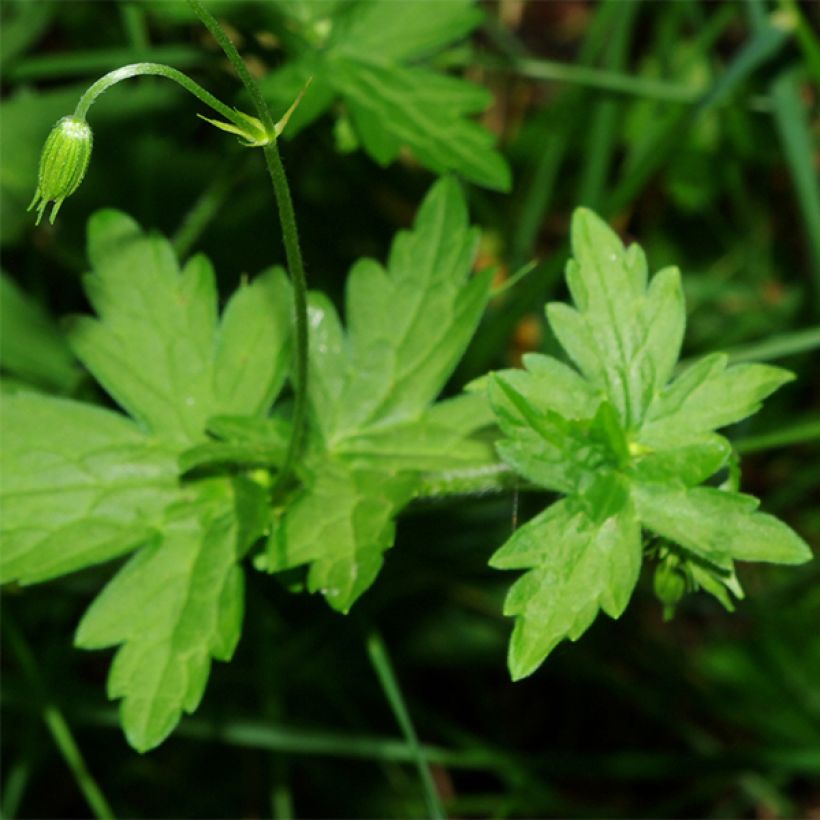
{"x": 374, "y": 427}
{"x": 393, "y": 107}
{"x": 150, "y": 310}
{"x": 370, "y": 61}
{"x": 627, "y": 448}
{"x": 83, "y": 484}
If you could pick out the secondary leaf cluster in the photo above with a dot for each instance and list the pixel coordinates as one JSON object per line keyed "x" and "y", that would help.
{"x": 368, "y": 54}
{"x": 627, "y": 447}
{"x": 171, "y": 480}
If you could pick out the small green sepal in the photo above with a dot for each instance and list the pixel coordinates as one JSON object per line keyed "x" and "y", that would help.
{"x": 251, "y": 132}
{"x": 63, "y": 164}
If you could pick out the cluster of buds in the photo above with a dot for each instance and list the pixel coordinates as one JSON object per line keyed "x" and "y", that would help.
{"x": 63, "y": 164}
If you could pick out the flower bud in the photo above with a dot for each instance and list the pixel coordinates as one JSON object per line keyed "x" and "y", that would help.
{"x": 63, "y": 164}
{"x": 669, "y": 582}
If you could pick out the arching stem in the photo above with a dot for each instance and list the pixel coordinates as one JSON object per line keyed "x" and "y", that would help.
{"x": 158, "y": 70}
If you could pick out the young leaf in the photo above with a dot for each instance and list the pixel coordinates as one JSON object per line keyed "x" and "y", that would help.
{"x": 371, "y": 388}
{"x": 369, "y": 58}
{"x": 175, "y": 605}
{"x": 626, "y": 449}
{"x": 624, "y": 337}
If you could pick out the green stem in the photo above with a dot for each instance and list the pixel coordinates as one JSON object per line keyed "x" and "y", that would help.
{"x": 57, "y": 725}
{"x": 210, "y": 22}
{"x": 157, "y": 70}
{"x": 290, "y": 236}
{"x": 481, "y": 480}
{"x": 287, "y": 217}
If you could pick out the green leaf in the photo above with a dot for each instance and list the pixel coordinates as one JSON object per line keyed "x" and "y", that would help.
{"x": 360, "y": 53}
{"x": 402, "y": 31}
{"x": 716, "y": 524}
{"x": 81, "y": 485}
{"x": 341, "y": 524}
{"x": 394, "y": 107}
{"x": 408, "y": 324}
{"x": 152, "y": 312}
{"x": 87, "y": 484}
{"x": 623, "y": 445}
{"x": 31, "y": 345}
{"x": 576, "y": 568}
{"x": 175, "y": 605}
{"x": 371, "y": 389}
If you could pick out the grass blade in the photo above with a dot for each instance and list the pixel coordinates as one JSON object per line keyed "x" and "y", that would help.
{"x": 377, "y": 652}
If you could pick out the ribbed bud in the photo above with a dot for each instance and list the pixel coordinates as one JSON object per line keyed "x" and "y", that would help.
{"x": 669, "y": 582}
{"x": 63, "y": 164}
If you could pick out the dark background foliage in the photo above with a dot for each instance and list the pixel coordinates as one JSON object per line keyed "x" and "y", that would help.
{"x": 692, "y": 133}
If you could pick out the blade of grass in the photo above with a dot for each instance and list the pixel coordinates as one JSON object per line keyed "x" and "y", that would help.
{"x": 603, "y": 79}
{"x": 297, "y": 741}
{"x": 762, "y": 47}
{"x": 57, "y": 725}
{"x": 377, "y": 652}
{"x": 483, "y": 352}
{"x": 14, "y": 787}
{"x": 561, "y": 120}
{"x": 794, "y": 129}
{"x": 805, "y": 36}
{"x": 98, "y": 61}
{"x": 133, "y": 21}
{"x": 777, "y": 347}
{"x": 800, "y": 433}
{"x": 604, "y": 121}
{"x": 558, "y": 127}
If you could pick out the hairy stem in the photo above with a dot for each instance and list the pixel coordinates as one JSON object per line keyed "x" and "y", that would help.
{"x": 290, "y": 235}
{"x": 157, "y": 70}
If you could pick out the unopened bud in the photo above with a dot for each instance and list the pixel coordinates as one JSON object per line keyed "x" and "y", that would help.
{"x": 63, "y": 164}
{"x": 669, "y": 582}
